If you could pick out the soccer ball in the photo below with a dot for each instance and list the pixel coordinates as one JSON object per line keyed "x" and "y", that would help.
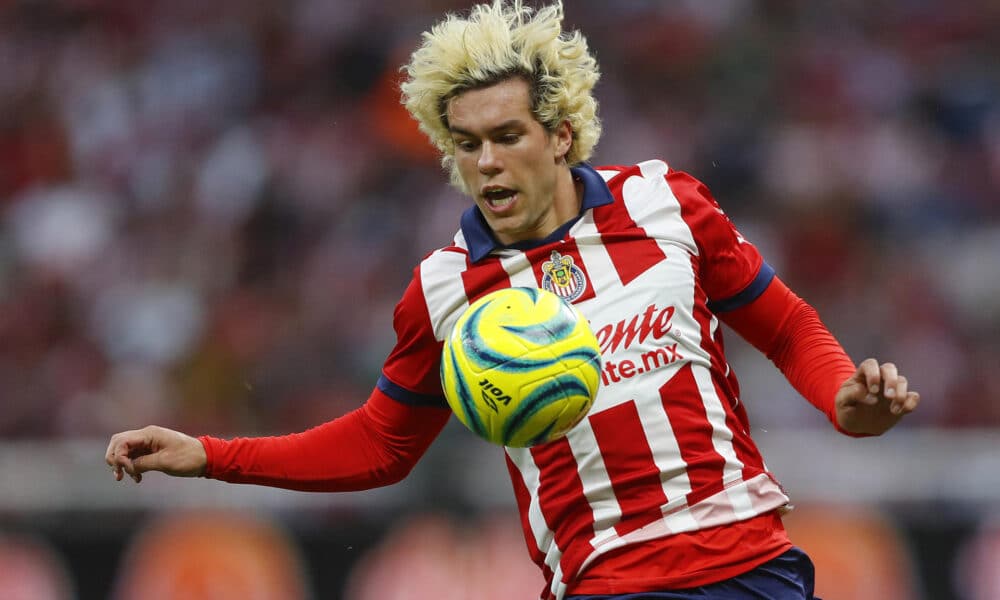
{"x": 521, "y": 367}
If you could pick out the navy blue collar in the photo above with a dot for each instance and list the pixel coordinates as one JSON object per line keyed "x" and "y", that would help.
{"x": 479, "y": 237}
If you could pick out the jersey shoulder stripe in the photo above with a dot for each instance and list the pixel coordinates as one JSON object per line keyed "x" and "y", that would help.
{"x": 442, "y": 287}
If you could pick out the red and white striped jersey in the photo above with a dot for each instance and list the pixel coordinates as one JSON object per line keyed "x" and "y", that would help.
{"x": 666, "y": 447}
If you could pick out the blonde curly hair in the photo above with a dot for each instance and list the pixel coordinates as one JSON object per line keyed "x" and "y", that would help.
{"x": 496, "y": 42}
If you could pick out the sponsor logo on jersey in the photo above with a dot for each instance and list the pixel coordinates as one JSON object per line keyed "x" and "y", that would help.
{"x": 563, "y": 278}
{"x": 655, "y": 323}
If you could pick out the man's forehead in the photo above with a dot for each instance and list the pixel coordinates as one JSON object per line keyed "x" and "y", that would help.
{"x": 491, "y": 107}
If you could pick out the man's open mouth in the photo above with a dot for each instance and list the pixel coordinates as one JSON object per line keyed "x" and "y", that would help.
{"x": 498, "y": 197}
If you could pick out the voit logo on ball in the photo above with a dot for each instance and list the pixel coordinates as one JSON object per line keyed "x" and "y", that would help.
{"x": 563, "y": 278}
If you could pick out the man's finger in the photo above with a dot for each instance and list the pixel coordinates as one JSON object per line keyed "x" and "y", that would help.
{"x": 140, "y": 465}
{"x": 119, "y": 465}
{"x": 912, "y": 400}
{"x": 114, "y": 448}
{"x": 898, "y": 395}
{"x": 890, "y": 376}
{"x": 870, "y": 375}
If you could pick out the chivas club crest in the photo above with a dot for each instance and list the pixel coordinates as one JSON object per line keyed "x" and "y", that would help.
{"x": 563, "y": 278}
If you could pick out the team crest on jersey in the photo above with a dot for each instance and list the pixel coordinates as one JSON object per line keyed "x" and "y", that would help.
{"x": 563, "y": 278}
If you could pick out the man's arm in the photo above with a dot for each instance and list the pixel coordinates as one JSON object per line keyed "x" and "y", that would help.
{"x": 376, "y": 445}
{"x": 864, "y": 400}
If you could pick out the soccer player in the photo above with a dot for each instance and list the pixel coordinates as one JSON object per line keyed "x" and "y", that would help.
{"x": 661, "y": 490}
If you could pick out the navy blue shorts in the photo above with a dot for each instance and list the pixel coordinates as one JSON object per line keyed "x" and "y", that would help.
{"x": 790, "y": 576}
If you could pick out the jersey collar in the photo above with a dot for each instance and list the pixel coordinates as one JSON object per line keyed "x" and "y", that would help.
{"x": 479, "y": 237}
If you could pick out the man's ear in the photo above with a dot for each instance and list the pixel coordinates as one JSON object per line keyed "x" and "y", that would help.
{"x": 563, "y": 138}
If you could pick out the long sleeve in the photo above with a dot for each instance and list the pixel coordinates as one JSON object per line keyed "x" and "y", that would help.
{"x": 376, "y": 445}
{"x": 790, "y": 333}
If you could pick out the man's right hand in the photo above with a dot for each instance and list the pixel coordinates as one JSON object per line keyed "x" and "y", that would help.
{"x": 155, "y": 448}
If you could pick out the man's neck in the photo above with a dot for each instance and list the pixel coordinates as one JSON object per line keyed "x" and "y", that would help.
{"x": 568, "y": 197}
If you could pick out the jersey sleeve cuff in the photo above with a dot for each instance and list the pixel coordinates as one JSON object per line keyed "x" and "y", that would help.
{"x": 405, "y": 396}
{"x": 208, "y": 443}
{"x": 749, "y": 293}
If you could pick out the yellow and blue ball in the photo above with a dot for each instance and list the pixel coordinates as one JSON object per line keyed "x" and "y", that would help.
{"x": 521, "y": 367}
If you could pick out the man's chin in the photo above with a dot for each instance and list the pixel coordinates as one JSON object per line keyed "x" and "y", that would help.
{"x": 504, "y": 231}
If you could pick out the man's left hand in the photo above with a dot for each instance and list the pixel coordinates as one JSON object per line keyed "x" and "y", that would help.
{"x": 874, "y": 399}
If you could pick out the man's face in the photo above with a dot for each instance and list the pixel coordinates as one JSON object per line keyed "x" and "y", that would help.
{"x": 510, "y": 163}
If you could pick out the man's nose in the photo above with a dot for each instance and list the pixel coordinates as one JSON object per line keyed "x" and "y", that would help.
{"x": 489, "y": 160}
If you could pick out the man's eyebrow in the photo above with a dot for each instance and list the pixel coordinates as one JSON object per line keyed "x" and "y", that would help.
{"x": 508, "y": 124}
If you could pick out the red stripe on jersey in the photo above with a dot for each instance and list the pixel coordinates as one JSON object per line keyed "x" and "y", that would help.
{"x": 523, "y": 498}
{"x": 561, "y": 498}
{"x": 413, "y": 362}
{"x": 694, "y": 434}
{"x": 634, "y": 475}
{"x": 487, "y": 276}
{"x": 631, "y": 251}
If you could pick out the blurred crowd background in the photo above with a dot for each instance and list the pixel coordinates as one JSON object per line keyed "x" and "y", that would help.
{"x": 209, "y": 210}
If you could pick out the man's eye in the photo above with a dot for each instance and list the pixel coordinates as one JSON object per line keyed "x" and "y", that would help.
{"x": 466, "y": 145}
{"x": 510, "y": 138}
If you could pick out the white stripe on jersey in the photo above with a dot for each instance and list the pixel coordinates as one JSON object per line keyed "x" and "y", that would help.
{"x": 722, "y": 437}
{"x": 519, "y": 270}
{"x": 595, "y": 480}
{"x": 722, "y": 441}
{"x": 666, "y": 451}
{"x": 544, "y": 537}
{"x": 602, "y": 272}
{"x": 443, "y": 290}
{"x": 669, "y": 224}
